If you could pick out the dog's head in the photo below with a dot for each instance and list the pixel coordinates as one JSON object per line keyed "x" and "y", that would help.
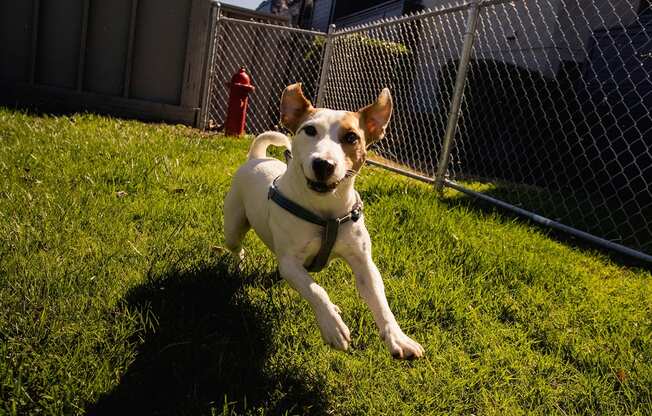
{"x": 330, "y": 145}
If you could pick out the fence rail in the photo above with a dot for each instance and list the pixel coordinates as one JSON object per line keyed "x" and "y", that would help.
{"x": 540, "y": 105}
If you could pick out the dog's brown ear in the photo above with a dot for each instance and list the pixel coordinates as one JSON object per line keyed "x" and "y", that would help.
{"x": 374, "y": 117}
{"x": 294, "y": 107}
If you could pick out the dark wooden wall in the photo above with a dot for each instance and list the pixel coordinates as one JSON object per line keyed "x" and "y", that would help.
{"x": 134, "y": 58}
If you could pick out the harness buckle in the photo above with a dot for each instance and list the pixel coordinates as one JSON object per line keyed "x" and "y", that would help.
{"x": 356, "y": 213}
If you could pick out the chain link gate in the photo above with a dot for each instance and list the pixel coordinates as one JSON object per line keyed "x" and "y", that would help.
{"x": 274, "y": 56}
{"x": 538, "y": 106}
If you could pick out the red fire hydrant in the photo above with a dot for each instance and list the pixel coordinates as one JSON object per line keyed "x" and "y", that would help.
{"x": 236, "y": 114}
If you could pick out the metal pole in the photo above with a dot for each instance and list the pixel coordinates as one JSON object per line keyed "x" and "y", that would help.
{"x": 284, "y": 29}
{"x": 404, "y": 172}
{"x": 216, "y": 13}
{"x": 325, "y": 65}
{"x": 553, "y": 224}
{"x": 417, "y": 16}
{"x": 458, "y": 94}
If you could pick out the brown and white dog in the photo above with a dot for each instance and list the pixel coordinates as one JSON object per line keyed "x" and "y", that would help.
{"x": 328, "y": 149}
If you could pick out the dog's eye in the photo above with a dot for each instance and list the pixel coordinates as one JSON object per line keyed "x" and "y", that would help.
{"x": 350, "y": 138}
{"x": 310, "y": 130}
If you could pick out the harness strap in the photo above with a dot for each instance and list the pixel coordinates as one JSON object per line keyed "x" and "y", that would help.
{"x": 292, "y": 207}
{"x": 331, "y": 226}
{"x": 327, "y": 242}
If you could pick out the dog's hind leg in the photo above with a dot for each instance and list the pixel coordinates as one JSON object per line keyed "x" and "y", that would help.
{"x": 236, "y": 224}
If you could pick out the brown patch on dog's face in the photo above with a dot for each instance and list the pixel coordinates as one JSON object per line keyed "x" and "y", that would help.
{"x": 295, "y": 107}
{"x": 358, "y": 130}
{"x": 353, "y": 141}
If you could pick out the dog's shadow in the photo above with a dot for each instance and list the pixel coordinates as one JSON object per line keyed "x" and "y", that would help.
{"x": 208, "y": 347}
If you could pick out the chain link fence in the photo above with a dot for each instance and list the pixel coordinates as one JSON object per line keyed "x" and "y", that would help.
{"x": 555, "y": 119}
{"x": 557, "y": 116}
{"x": 274, "y": 56}
{"x": 414, "y": 57}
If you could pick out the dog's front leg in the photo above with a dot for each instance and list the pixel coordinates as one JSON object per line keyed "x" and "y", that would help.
{"x": 372, "y": 290}
{"x": 333, "y": 330}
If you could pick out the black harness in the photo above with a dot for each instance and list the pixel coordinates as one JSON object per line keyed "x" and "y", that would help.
{"x": 331, "y": 225}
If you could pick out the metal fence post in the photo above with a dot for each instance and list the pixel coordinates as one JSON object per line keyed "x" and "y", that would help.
{"x": 458, "y": 94}
{"x": 216, "y": 13}
{"x": 325, "y": 65}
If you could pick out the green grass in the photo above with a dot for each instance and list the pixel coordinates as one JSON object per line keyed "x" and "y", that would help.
{"x": 117, "y": 297}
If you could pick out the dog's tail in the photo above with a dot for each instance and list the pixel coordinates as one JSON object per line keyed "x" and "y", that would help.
{"x": 258, "y": 148}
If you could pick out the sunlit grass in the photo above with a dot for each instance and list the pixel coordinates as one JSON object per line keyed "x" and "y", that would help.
{"x": 117, "y": 297}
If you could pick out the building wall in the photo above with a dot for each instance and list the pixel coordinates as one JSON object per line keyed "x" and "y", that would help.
{"x": 265, "y": 6}
{"x": 541, "y": 34}
{"x": 536, "y": 35}
{"x": 578, "y": 19}
{"x": 388, "y": 9}
{"x": 321, "y": 14}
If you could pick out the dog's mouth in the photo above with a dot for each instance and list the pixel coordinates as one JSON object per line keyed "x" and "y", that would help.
{"x": 322, "y": 187}
{"x": 325, "y": 187}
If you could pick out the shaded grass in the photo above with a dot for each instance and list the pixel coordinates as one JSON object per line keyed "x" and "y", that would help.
{"x": 117, "y": 297}
{"x": 579, "y": 209}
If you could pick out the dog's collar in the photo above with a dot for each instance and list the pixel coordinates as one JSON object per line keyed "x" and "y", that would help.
{"x": 330, "y": 225}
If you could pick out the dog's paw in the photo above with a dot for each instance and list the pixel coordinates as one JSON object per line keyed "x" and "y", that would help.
{"x": 401, "y": 346}
{"x": 238, "y": 258}
{"x": 333, "y": 329}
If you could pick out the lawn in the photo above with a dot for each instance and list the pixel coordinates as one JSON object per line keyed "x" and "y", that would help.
{"x": 117, "y": 296}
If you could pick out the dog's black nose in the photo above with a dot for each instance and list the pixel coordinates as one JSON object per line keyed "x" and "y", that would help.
{"x": 323, "y": 169}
